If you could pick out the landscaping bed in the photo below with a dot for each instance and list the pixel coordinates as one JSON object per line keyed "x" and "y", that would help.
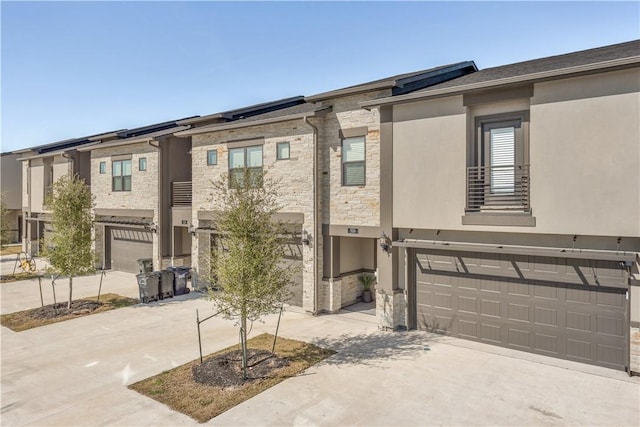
{"x": 203, "y": 391}
{"x": 53, "y": 313}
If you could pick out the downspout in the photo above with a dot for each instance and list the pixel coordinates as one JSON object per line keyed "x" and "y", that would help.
{"x": 159, "y": 191}
{"x": 315, "y": 215}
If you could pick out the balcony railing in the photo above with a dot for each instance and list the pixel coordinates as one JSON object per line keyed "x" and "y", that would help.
{"x": 181, "y": 193}
{"x": 498, "y": 188}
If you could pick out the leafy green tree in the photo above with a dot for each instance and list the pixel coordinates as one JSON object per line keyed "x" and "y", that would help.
{"x": 68, "y": 245}
{"x": 247, "y": 261}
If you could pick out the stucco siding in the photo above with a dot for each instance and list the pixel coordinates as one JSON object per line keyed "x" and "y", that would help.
{"x": 585, "y": 155}
{"x": 429, "y": 157}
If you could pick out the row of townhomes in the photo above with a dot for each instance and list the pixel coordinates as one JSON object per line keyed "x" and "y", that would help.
{"x": 499, "y": 205}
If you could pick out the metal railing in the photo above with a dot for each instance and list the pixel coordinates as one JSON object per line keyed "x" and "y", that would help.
{"x": 181, "y": 193}
{"x": 498, "y": 188}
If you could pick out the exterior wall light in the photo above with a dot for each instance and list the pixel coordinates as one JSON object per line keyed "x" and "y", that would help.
{"x": 306, "y": 240}
{"x": 192, "y": 230}
{"x": 385, "y": 244}
{"x": 153, "y": 227}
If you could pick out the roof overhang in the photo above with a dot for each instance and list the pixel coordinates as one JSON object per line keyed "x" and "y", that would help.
{"x": 250, "y": 123}
{"x": 136, "y": 139}
{"x": 85, "y": 147}
{"x": 577, "y": 70}
{"x": 602, "y": 255}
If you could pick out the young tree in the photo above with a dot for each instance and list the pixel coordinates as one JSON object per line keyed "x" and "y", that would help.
{"x": 247, "y": 265}
{"x": 68, "y": 245}
{"x": 4, "y": 222}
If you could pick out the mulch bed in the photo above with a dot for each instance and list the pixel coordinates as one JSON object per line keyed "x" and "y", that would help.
{"x": 225, "y": 370}
{"x": 41, "y": 316}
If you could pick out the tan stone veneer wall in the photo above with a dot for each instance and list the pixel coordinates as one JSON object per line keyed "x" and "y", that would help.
{"x": 295, "y": 177}
{"x": 144, "y": 186}
{"x": 357, "y": 205}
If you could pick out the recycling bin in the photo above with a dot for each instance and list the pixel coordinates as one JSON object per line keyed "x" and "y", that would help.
{"x": 166, "y": 284}
{"x": 145, "y": 265}
{"x": 180, "y": 276}
{"x": 148, "y": 286}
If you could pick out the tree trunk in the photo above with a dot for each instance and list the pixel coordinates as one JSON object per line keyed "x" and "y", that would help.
{"x": 70, "y": 291}
{"x": 243, "y": 341}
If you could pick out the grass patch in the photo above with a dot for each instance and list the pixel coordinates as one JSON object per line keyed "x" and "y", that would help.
{"x": 41, "y": 316}
{"x": 18, "y": 276}
{"x": 11, "y": 250}
{"x": 178, "y": 390}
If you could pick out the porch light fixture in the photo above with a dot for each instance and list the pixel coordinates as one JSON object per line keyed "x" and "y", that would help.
{"x": 153, "y": 227}
{"x": 192, "y": 230}
{"x": 385, "y": 244}
{"x": 305, "y": 238}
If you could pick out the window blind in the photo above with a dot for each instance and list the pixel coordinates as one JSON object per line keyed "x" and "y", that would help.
{"x": 502, "y": 159}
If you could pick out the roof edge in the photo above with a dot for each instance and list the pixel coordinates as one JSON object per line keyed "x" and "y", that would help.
{"x": 525, "y": 78}
{"x": 241, "y": 124}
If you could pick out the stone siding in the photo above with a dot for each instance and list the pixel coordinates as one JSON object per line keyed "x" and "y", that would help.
{"x": 144, "y": 184}
{"x": 357, "y": 205}
{"x": 295, "y": 178}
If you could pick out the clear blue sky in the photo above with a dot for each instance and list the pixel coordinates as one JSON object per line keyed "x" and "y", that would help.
{"x": 72, "y": 69}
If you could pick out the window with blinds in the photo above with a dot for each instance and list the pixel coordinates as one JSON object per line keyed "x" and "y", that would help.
{"x": 353, "y": 161}
{"x": 503, "y": 151}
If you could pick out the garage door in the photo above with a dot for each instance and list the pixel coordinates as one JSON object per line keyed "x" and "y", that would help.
{"x": 293, "y": 259}
{"x": 550, "y": 306}
{"x": 126, "y": 246}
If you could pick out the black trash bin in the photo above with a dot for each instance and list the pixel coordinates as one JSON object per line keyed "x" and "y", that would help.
{"x": 180, "y": 274}
{"x": 166, "y": 284}
{"x": 145, "y": 265}
{"x": 148, "y": 286}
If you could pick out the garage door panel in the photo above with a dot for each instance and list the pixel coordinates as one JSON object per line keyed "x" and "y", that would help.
{"x": 565, "y": 320}
{"x": 518, "y": 312}
{"x": 520, "y": 339}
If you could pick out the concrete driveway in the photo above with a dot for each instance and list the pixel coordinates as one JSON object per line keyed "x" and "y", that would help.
{"x": 76, "y": 372}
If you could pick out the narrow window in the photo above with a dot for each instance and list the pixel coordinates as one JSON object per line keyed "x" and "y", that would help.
{"x": 142, "y": 164}
{"x": 245, "y": 160}
{"x": 353, "y": 161}
{"x": 502, "y": 162}
{"x": 282, "y": 151}
{"x": 121, "y": 175}
{"x": 103, "y": 167}
{"x": 212, "y": 157}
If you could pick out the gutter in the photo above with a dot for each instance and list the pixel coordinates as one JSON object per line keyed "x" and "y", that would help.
{"x": 525, "y": 78}
{"x": 305, "y": 119}
{"x": 159, "y": 190}
{"x": 603, "y": 255}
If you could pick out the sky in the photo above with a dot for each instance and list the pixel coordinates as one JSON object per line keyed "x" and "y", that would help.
{"x": 73, "y": 69}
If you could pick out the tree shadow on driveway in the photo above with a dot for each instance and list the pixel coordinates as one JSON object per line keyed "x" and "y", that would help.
{"x": 374, "y": 348}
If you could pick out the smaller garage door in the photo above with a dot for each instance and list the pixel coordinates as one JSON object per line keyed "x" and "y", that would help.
{"x": 490, "y": 298}
{"x": 126, "y": 246}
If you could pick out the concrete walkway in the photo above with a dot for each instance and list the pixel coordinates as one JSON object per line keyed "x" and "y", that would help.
{"x": 76, "y": 372}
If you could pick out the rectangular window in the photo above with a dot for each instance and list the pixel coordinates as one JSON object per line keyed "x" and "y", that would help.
{"x": 212, "y": 157}
{"x": 282, "y": 151}
{"x": 142, "y": 164}
{"x": 502, "y": 151}
{"x": 121, "y": 175}
{"x": 103, "y": 167}
{"x": 245, "y": 160}
{"x": 353, "y": 161}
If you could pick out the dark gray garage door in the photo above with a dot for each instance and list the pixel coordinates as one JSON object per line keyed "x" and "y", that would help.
{"x": 126, "y": 246}
{"x": 495, "y": 299}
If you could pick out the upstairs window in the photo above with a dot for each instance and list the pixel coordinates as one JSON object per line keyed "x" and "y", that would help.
{"x": 142, "y": 164}
{"x": 282, "y": 151}
{"x": 103, "y": 168}
{"x": 121, "y": 175}
{"x": 245, "y": 160}
{"x": 353, "y": 161}
{"x": 212, "y": 157}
